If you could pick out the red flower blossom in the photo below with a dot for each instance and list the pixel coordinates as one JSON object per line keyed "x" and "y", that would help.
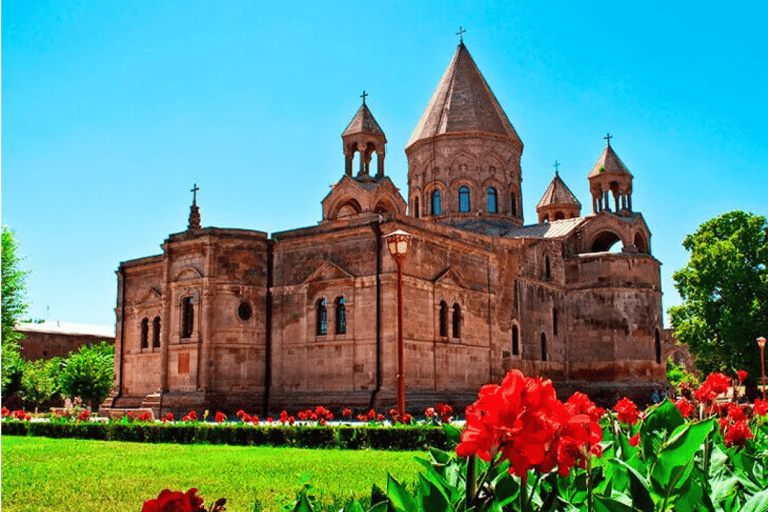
{"x": 255, "y": 419}
{"x": 176, "y": 501}
{"x": 371, "y": 414}
{"x": 220, "y": 417}
{"x": 742, "y": 375}
{"x": 407, "y": 418}
{"x": 346, "y": 413}
{"x": 284, "y": 417}
{"x": 380, "y": 417}
{"x": 737, "y": 433}
{"x": 579, "y": 403}
{"x": 362, "y": 417}
{"x": 169, "y": 416}
{"x": 761, "y": 407}
{"x": 634, "y": 440}
{"x": 84, "y": 415}
{"x": 685, "y": 407}
{"x": 627, "y": 411}
{"x": 524, "y": 421}
{"x": 240, "y": 413}
{"x": 716, "y": 384}
{"x": 269, "y": 419}
{"x": 736, "y": 413}
{"x": 429, "y": 412}
{"x": 5, "y": 412}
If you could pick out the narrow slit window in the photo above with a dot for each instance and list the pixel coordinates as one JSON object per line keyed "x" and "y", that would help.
{"x": 443, "y": 319}
{"x": 322, "y": 318}
{"x": 187, "y": 317}
{"x": 156, "y": 332}
{"x": 456, "y": 321}
{"x": 341, "y": 315}
{"x": 515, "y": 341}
{"x": 145, "y": 333}
{"x": 492, "y": 205}
{"x": 436, "y": 202}
{"x": 464, "y": 205}
{"x": 543, "y": 347}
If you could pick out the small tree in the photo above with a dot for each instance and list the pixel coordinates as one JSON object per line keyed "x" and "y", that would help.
{"x": 40, "y": 380}
{"x": 89, "y": 373}
{"x": 13, "y": 366}
{"x": 724, "y": 288}
{"x": 14, "y": 302}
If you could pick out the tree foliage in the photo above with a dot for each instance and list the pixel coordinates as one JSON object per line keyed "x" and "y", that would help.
{"x": 724, "y": 288}
{"x": 89, "y": 373}
{"x": 14, "y": 301}
{"x": 40, "y": 380}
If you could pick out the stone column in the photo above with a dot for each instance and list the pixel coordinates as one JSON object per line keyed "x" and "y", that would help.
{"x": 165, "y": 322}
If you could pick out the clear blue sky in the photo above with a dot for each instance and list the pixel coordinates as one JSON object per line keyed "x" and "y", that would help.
{"x": 112, "y": 110}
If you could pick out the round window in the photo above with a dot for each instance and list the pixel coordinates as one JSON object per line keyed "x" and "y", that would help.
{"x": 244, "y": 311}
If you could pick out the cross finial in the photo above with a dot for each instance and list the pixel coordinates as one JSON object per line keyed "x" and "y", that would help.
{"x": 608, "y": 137}
{"x": 363, "y": 96}
{"x": 556, "y": 165}
{"x": 461, "y": 33}
{"x": 194, "y": 190}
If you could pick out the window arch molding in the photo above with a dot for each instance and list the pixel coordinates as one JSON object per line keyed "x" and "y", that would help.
{"x": 321, "y": 317}
{"x": 188, "y": 313}
{"x": 473, "y": 188}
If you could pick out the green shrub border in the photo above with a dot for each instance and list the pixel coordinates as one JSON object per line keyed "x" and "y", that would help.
{"x": 346, "y": 437}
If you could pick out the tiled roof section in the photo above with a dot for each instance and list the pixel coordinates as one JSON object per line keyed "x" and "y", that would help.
{"x": 363, "y": 122}
{"x": 609, "y": 162}
{"x": 558, "y": 193}
{"x": 554, "y": 229}
{"x": 463, "y": 102}
{"x": 108, "y": 331}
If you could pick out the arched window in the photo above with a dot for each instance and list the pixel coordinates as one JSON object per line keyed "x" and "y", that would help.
{"x": 156, "y": 332}
{"x": 554, "y": 321}
{"x": 515, "y": 341}
{"x": 547, "y": 268}
{"x": 464, "y": 199}
{"x": 443, "y": 319}
{"x": 145, "y": 333}
{"x": 513, "y": 204}
{"x": 322, "y": 318}
{"x": 543, "y": 347}
{"x": 436, "y": 202}
{"x": 492, "y": 204}
{"x": 187, "y": 317}
{"x": 456, "y": 321}
{"x": 658, "y": 347}
{"x": 416, "y": 207}
{"x": 341, "y": 315}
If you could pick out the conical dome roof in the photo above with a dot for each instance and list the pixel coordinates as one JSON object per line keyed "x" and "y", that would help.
{"x": 363, "y": 122}
{"x": 463, "y": 102}
{"x": 609, "y": 162}
{"x": 558, "y": 193}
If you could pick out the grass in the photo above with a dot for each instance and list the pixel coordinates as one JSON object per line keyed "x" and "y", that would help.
{"x": 75, "y": 475}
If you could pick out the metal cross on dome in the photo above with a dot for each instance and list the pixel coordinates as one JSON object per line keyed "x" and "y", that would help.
{"x": 194, "y": 190}
{"x": 461, "y": 33}
{"x": 363, "y": 96}
{"x": 608, "y": 137}
{"x": 556, "y": 165}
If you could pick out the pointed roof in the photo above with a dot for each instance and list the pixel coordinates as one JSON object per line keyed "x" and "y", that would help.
{"x": 558, "y": 193}
{"x": 609, "y": 162}
{"x": 363, "y": 122}
{"x": 463, "y": 102}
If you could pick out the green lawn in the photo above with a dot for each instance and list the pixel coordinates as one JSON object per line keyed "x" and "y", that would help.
{"x": 42, "y": 474}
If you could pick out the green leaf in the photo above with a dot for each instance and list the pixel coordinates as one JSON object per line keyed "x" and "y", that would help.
{"x": 453, "y": 434}
{"x": 605, "y": 504}
{"x": 354, "y": 507}
{"x": 659, "y": 423}
{"x": 382, "y": 506}
{"x": 302, "y": 504}
{"x": 433, "y": 498}
{"x": 757, "y": 503}
{"x": 399, "y": 497}
{"x": 675, "y": 459}
{"x": 637, "y": 484}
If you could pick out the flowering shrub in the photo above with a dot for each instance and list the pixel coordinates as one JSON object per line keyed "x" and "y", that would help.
{"x": 176, "y": 501}
{"x": 220, "y": 417}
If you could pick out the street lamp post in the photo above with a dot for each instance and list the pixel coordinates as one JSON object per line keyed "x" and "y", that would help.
{"x": 761, "y": 344}
{"x": 397, "y": 242}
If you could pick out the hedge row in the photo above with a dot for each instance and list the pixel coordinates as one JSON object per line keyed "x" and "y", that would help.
{"x": 300, "y": 436}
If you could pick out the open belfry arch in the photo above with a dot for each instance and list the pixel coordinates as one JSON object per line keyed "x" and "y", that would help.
{"x": 307, "y": 316}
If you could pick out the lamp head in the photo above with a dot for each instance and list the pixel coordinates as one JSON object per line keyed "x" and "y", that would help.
{"x": 397, "y": 243}
{"x": 761, "y": 342}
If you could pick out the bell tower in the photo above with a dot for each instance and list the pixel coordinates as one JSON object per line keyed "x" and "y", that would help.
{"x": 610, "y": 177}
{"x": 364, "y": 136}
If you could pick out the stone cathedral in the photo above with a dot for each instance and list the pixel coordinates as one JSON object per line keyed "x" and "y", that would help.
{"x": 225, "y": 319}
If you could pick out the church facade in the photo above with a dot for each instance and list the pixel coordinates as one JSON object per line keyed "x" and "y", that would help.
{"x": 235, "y": 318}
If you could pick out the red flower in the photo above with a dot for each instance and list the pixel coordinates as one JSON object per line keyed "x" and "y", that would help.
{"x": 716, "y": 384}
{"x": 269, "y": 419}
{"x": 4, "y": 412}
{"x": 736, "y": 413}
{"x": 362, "y": 417}
{"x": 380, "y": 418}
{"x": 220, "y": 417}
{"x": 254, "y": 419}
{"x": 634, "y": 440}
{"x": 371, "y": 414}
{"x": 627, "y": 411}
{"x": 407, "y": 418}
{"x": 240, "y": 413}
{"x": 685, "y": 407}
{"x": 579, "y": 403}
{"x": 761, "y": 407}
{"x": 524, "y": 421}
{"x": 283, "y": 417}
{"x": 742, "y": 375}
{"x": 169, "y": 416}
{"x": 429, "y": 412}
{"x": 291, "y": 420}
{"x": 737, "y": 433}
{"x": 175, "y": 501}
{"x": 323, "y": 421}
{"x": 346, "y": 413}
{"x": 84, "y": 415}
